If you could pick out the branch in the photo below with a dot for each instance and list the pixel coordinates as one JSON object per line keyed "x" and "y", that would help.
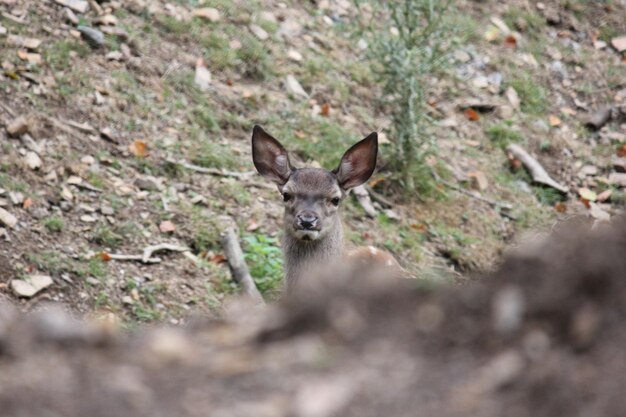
{"x": 147, "y": 252}
{"x": 211, "y": 171}
{"x": 474, "y": 195}
{"x": 534, "y": 168}
{"x": 147, "y": 258}
{"x": 364, "y": 199}
{"x": 237, "y": 263}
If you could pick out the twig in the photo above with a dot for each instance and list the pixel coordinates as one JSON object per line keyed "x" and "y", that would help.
{"x": 379, "y": 198}
{"x": 147, "y": 258}
{"x": 475, "y": 195}
{"x": 211, "y": 171}
{"x": 534, "y": 168}
{"x": 7, "y": 109}
{"x": 147, "y": 252}
{"x": 237, "y": 263}
{"x": 86, "y": 186}
{"x": 13, "y": 18}
{"x": 364, "y": 200}
{"x": 123, "y": 257}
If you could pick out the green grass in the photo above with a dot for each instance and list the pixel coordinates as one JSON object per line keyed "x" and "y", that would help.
{"x": 265, "y": 259}
{"x": 533, "y": 97}
{"x": 534, "y": 22}
{"x": 58, "y": 55}
{"x": 503, "y": 134}
{"x": 54, "y": 224}
{"x": 114, "y": 237}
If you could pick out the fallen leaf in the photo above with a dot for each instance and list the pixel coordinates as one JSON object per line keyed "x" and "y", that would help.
{"x": 479, "y": 180}
{"x": 325, "y": 110}
{"x": 218, "y": 258}
{"x": 471, "y": 114}
{"x": 560, "y": 207}
{"x": 167, "y": 226}
{"x": 554, "y": 121}
{"x": 139, "y": 148}
{"x": 621, "y": 151}
{"x": 30, "y": 286}
{"x": 104, "y": 257}
{"x": 294, "y": 87}
{"x": 619, "y": 43}
{"x": 27, "y": 203}
{"x": 510, "y": 41}
{"x": 492, "y": 33}
{"x": 252, "y": 225}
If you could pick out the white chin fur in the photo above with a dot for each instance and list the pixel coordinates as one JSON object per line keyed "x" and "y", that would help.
{"x": 306, "y": 234}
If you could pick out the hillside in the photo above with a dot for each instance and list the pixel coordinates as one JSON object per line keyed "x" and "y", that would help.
{"x": 92, "y": 138}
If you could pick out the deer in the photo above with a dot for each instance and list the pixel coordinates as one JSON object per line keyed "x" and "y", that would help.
{"x": 312, "y": 228}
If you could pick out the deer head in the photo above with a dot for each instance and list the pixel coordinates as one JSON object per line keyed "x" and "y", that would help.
{"x": 312, "y": 196}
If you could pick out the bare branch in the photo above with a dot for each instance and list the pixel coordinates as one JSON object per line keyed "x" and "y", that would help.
{"x": 534, "y": 168}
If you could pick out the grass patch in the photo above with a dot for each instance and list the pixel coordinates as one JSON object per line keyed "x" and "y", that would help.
{"x": 59, "y": 54}
{"x": 515, "y": 16}
{"x": 533, "y": 97}
{"x": 265, "y": 259}
{"x": 54, "y": 224}
{"x": 502, "y": 134}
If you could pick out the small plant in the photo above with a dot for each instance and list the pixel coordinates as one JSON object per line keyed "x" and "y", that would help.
{"x": 265, "y": 260}
{"x": 502, "y": 134}
{"x": 106, "y": 236}
{"x": 533, "y": 97}
{"x": 54, "y": 224}
{"x": 408, "y": 51}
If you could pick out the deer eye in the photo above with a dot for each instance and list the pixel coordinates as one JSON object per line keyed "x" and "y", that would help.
{"x": 335, "y": 201}
{"x": 286, "y": 197}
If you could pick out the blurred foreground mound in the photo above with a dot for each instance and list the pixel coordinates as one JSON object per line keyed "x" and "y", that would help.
{"x": 543, "y": 335}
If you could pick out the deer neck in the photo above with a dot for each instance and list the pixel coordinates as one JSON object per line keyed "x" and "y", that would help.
{"x": 300, "y": 255}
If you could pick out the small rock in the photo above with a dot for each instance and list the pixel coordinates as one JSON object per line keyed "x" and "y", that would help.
{"x": 3, "y": 31}
{"x": 513, "y": 97}
{"x": 604, "y": 196}
{"x": 362, "y": 44}
{"x": 480, "y": 82}
{"x": 259, "y": 32}
{"x": 18, "y": 126}
{"x": 294, "y": 87}
{"x": 588, "y": 170}
{"x": 127, "y": 299}
{"x": 147, "y": 184}
{"x": 71, "y": 17}
{"x": 209, "y": 13}
{"x": 115, "y": 56}
{"x": 107, "y": 210}
{"x": 294, "y": 55}
{"x": 17, "y": 198}
{"x": 86, "y": 218}
{"x": 33, "y": 160}
{"x": 7, "y": 219}
{"x": 79, "y": 6}
{"x": 505, "y": 112}
{"x": 30, "y": 286}
{"x": 618, "y": 178}
{"x": 203, "y": 75}
{"x": 479, "y": 180}
{"x": 167, "y": 226}
{"x": 598, "y": 213}
{"x": 619, "y": 163}
{"x": 619, "y": 43}
{"x": 462, "y": 56}
{"x": 66, "y": 194}
{"x": 92, "y": 36}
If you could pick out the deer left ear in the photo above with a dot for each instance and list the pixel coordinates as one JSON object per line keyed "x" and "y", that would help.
{"x": 358, "y": 163}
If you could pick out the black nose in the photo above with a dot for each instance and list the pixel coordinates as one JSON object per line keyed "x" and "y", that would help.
{"x": 308, "y": 221}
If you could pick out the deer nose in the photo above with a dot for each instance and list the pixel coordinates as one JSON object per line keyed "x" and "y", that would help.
{"x": 308, "y": 221}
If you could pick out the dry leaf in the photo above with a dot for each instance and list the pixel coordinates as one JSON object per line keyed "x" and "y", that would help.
{"x": 325, "y": 110}
{"x": 252, "y": 225}
{"x": 471, "y": 114}
{"x": 167, "y": 226}
{"x": 621, "y": 151}
{"x": 554, "y": 121}
{"x": 139, "y": 148}
{"x": 560, "y": 207}
{"x": 510, "y": 41}
{"x": 27, "y": 203}
{"x": 104, "y": 257}
{"x": 218, "y": 258}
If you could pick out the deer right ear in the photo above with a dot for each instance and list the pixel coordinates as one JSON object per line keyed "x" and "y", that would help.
{"x": 270, "y": 157}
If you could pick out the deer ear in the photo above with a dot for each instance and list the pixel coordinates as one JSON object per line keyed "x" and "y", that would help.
{"x": 270, "y": 157}
{"x": 358, "y": 163}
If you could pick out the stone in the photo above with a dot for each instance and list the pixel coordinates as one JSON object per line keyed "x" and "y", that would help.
{"x": 294, "y": 87}
{"x": 619, "y": 163}
{"x": 259, "y": 32}
{"x": 146, "y": 184}
{"x": 7, "y": 219}
{"x": 618, "y": 179}
{"x": 79, "y": 6}
{"x": 30, "y": 286}
{"x": 209, "y": 13}
{"x": 92, "y": 36}
{"x": 32, "y": 160}
{"x": 619, "y": 43}
{"x": 294, "y": 55}
{"x": 18, "y": 126}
